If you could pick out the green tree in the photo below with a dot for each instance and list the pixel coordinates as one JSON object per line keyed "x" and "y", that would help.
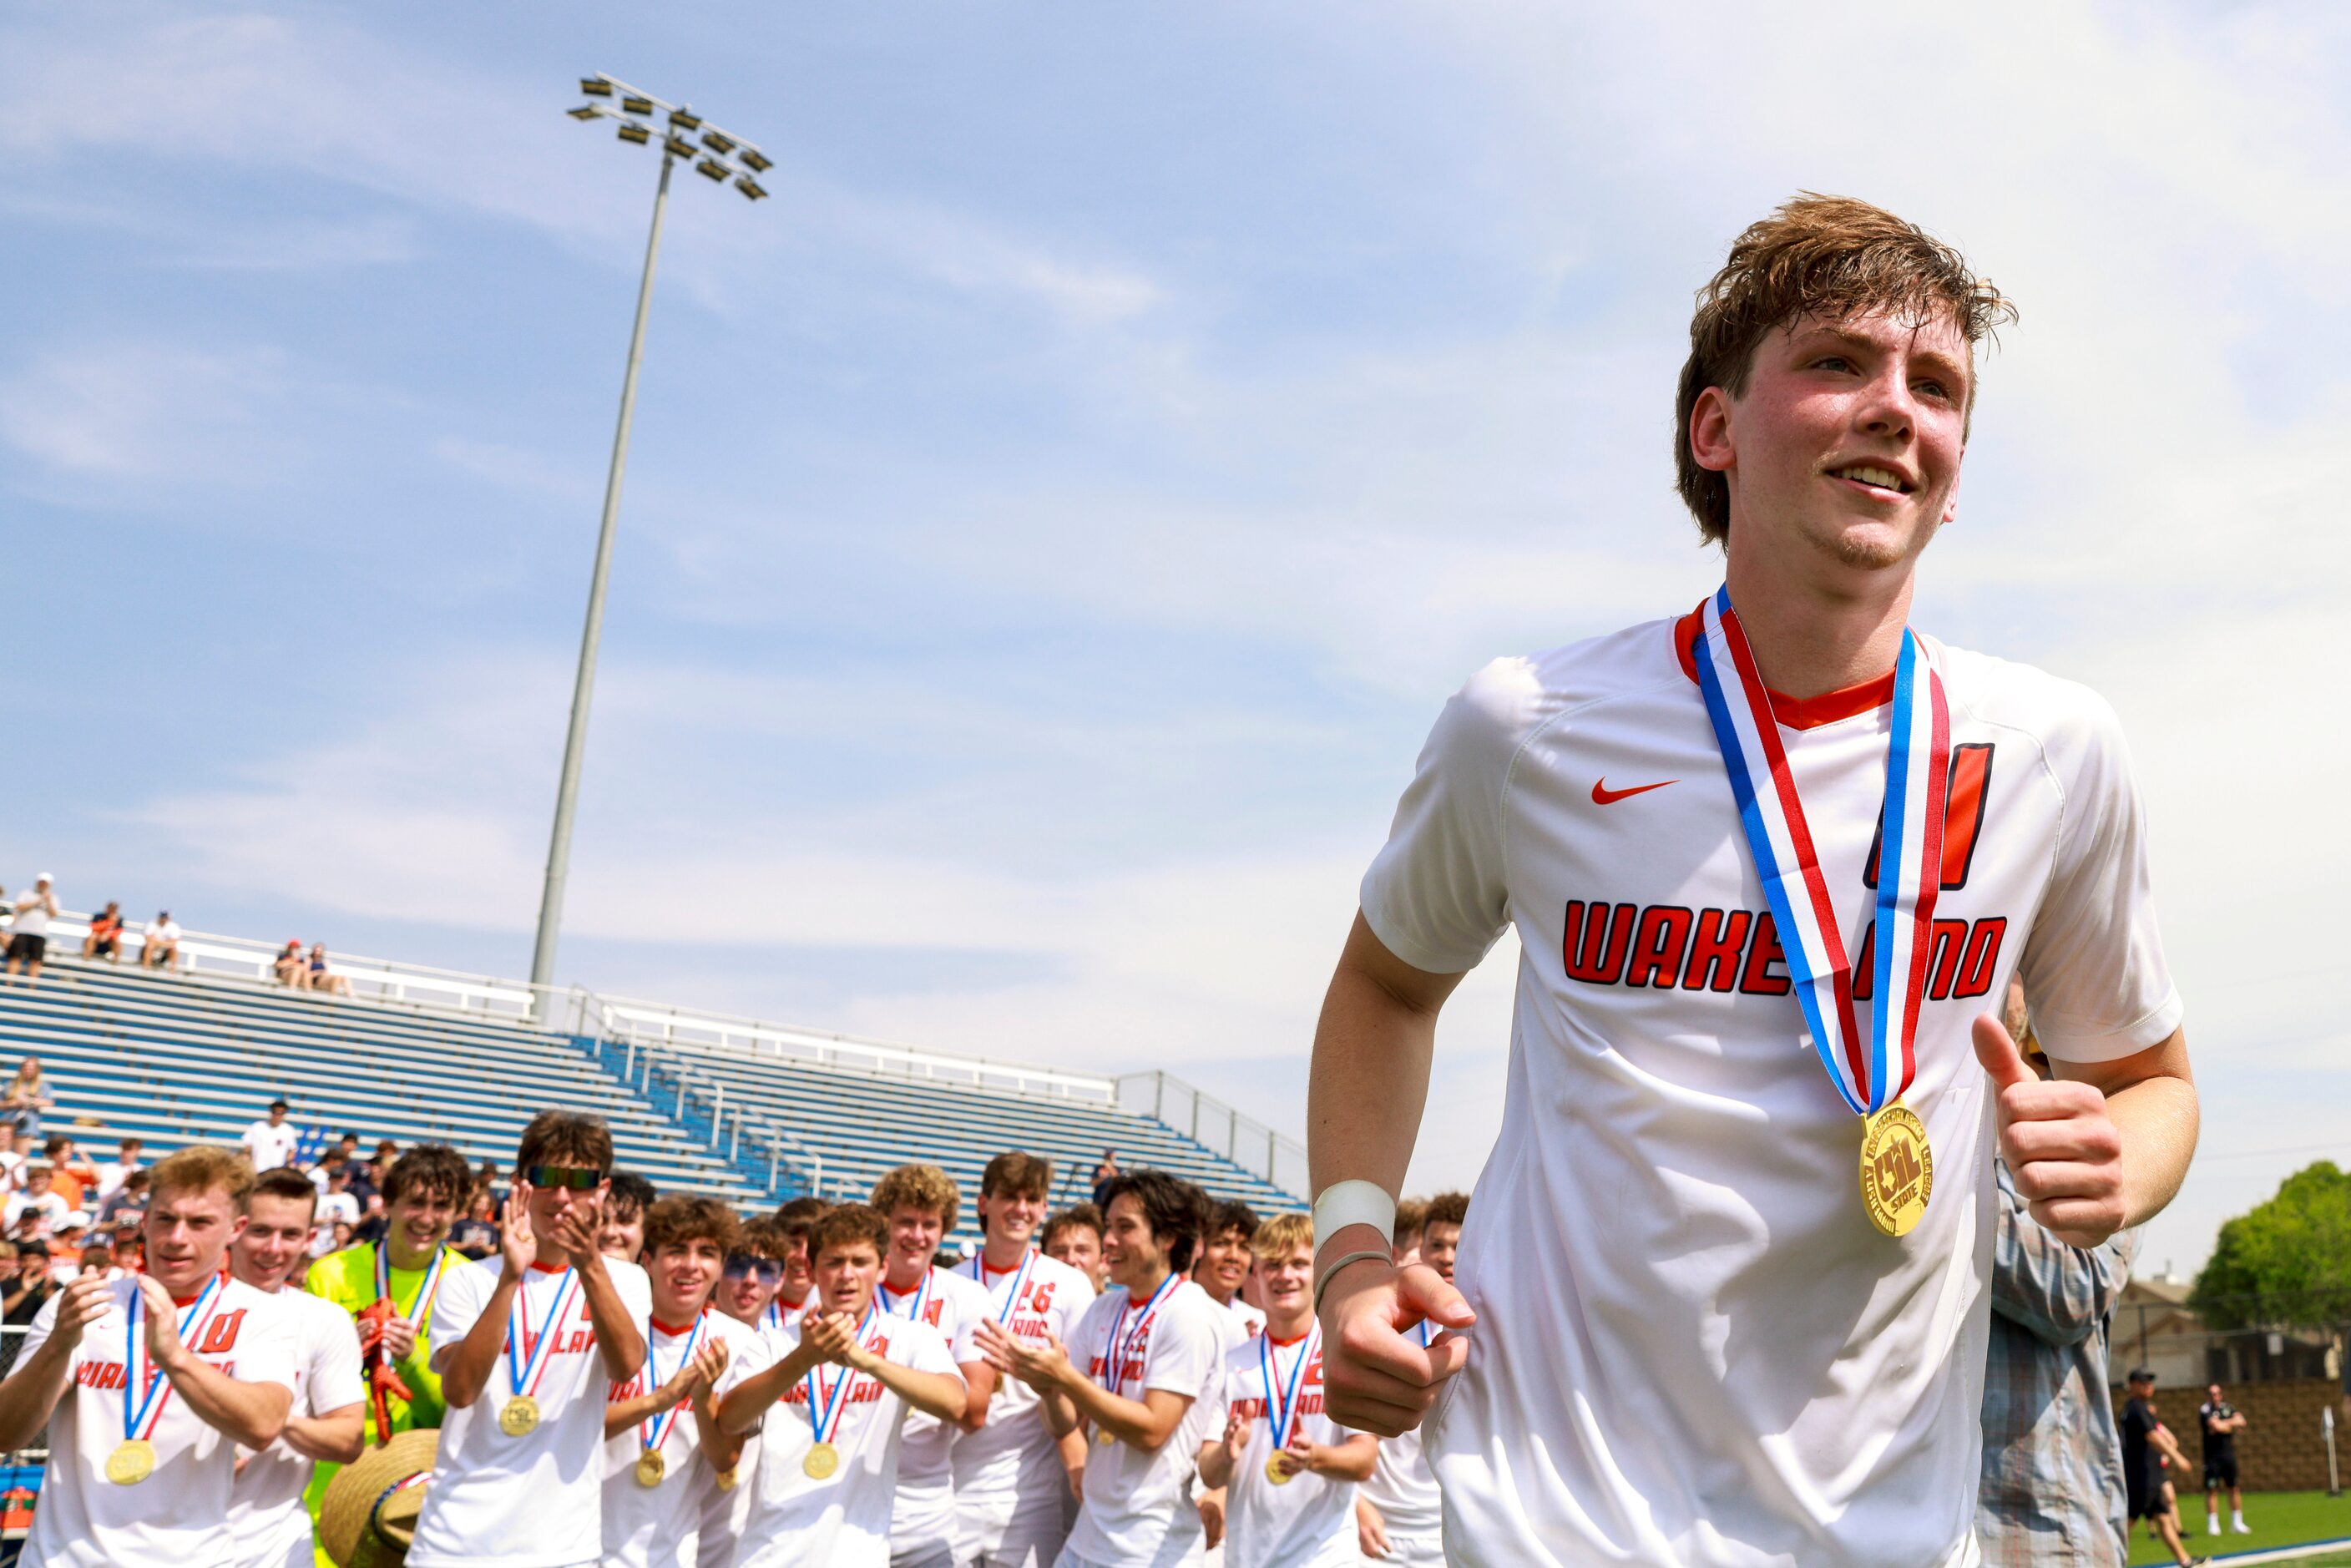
{"x": 2286, "y": 1263}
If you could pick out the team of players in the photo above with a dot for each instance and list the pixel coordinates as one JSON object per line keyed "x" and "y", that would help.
{"x": 687, "y": 1390}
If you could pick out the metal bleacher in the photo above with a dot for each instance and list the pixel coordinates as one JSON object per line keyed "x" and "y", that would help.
{"x": 698, "y": 1101}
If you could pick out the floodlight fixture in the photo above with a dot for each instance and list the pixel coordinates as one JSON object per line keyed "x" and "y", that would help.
{"x": 752, "y": 190}
{"x": 631, "y": 131}
{"x": 636, "y": 104}
{"x": 719, "y": 142}
{"x": 712, "y": 169}
{"x": 685, "y": 120}
{"x": 595, "y": 87}
{"x": 585, "y": 111}
{"x": 755, "y": 160}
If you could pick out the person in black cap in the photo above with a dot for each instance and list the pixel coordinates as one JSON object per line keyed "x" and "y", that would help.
{"x": 2145, "y": 1444}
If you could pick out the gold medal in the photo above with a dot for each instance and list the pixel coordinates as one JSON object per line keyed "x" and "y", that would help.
{"x": 651, "y": 1467}
{"x": 1898, "y": 1169}
{"x": 821, "y": 1461}
{"x": 727, "y": 1480}
{"x": 1104, "y": 1438}
{"x": 518, "y": 1417}
{"x": 1276, "y": 1474}
{"x": 132, "y": 1462}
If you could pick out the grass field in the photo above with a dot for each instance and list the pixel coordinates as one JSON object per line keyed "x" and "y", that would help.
{"x": 2279, "y": 1519}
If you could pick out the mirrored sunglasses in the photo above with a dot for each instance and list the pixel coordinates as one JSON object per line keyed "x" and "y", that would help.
{"x": 578, "y": 1178}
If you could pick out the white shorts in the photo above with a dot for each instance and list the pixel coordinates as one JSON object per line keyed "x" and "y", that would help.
{"x": 1413, "y": 1550}
{"x": 1172, "y": 1554}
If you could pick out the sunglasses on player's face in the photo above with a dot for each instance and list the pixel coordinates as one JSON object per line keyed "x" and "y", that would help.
{"x": 742, "y": 1266}
{"x": 578, "y": 1178}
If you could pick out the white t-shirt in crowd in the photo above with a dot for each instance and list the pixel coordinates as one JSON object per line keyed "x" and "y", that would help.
{"x": 660, "y": 1526}
{"x": 51, "y": 1207}
{"x": 266, "y": 1517}
{"x": 1009, "y": 1485}
{"x": 1308, "y": 1520}
{"x": 180, "y": 1514}
{"x": 271, "y": 1146}
{"x": 844, "y": 1520}
{"x": 535, "y": 1500}
{"x": 110, "y": 1177}
{"x": 1138, "y": 1506}
{"x": 922, "y": 1518}
{"x": 1681, "y": 1304}
{"x": 163, "y": 932}
{"x": 32, "y": 915}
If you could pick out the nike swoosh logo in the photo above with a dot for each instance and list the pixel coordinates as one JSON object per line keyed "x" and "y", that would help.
{"x": 1604, "y": 796}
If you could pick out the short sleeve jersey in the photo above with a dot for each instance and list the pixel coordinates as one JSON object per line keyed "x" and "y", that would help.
{"x": 1009, "y": 1480}
{"x": 924, "y": 1514}
{"x": 1681, "y": 1301}
{"x": 271, "y": 1146}
{"x": 841, "y": 1520}
{"x": 534, "y": 1501}
{"x": 2217, "y": 1444}
{"x": 1138, "y": 1506}
{"x": 180, "y": 1514}
{"x": 266, "y": 1512}
{"x": 659, "y": 1526}
{"x": 1308, "y": 1520}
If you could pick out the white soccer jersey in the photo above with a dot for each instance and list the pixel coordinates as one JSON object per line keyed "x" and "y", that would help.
{"x": 1308, "y": 1520}
{"x": 923, "y": 1518}
{"x": 1683, "y": 1309}
{"x": 1138, "y": 1507}
{"x": 1250, "y": 1320}
{"x": 842, "y": 1521}
{"x": 534, "y": 1501}
{"x": 660, "y": 1526}
{"x": 1009, "y": 1485}
{"x": 266, "y": 1518}
{"x": 180, "y": 1514}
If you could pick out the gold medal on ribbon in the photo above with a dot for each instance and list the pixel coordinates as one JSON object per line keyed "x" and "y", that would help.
{"x": 728, "y": 1479}
{"x": 518, "y": 1417}
{"x": 821, "y": 1461}
{"x": 132, "y": 1462}
{"x": 1104, "y": 1438}
{"x": 1276, "y": 1474}
{"x": 1898, "y": 1169}
{"x": 651, "y": 1467}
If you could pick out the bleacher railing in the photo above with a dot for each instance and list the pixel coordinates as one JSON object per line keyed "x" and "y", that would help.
{"x": 1206, "y": 1120}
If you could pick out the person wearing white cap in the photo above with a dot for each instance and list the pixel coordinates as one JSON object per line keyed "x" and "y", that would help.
{"x": 28, "y": 933}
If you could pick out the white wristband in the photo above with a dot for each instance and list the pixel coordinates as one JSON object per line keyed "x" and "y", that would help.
{"x": 1346, "y": 1203}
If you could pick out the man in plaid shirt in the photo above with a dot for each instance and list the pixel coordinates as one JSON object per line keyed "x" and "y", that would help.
{"x": 2051, "y": 1495}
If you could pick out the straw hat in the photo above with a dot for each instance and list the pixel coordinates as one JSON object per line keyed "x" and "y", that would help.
{"x": 368, "y": 1518}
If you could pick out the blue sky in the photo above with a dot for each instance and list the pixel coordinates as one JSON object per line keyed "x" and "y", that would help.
{"x": 1054, "y": 519}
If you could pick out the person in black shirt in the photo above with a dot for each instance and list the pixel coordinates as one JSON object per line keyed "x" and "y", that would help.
{"x": 2222, "y": 1421}
{"x": 2145, "y": 1446}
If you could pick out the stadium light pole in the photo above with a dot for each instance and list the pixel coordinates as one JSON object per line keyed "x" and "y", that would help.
{"x": 721, "y": 158}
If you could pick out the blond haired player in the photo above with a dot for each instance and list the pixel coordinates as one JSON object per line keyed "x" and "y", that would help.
{"x": 1400, "y": 1518}
{"x": 1012, "y": 1476}
{"x": 1722, "y": 1294}
{"x": 324, "y": 1424}
{"x": 529, "y": 1344}
{"x": 1289, "y": 1471}
{"x": 836, "y": 1391}
{"x": 664, "y": 1451}
{"x": 149, "y": 1383}
{"x": 921, "y": 1202}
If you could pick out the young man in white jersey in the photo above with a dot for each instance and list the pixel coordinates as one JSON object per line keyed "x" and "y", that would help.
{"x": 150, "y": 1384}
{"x": 1224, "y": 1261}
{"x": 664, "y": 1451}
{"x": 921, "y": 1202}
{"x": 1725, "y": 1271}
{"x": 794, "y": 1220}
{"x": 1074, "y": 1237}
{"x": 621, "y": 1232}
{"x": 1289, "y": 1471}
{"x": 758, "y": 1266}
{"x": 1399, "y": 1517}
{"x": 1012, "y": 1477}
{"x": 1141, "y": 1374}
{"x": 529, "y": 1344}
{"x": 835, "y": 1391}
{"x": 266, "y": 1518}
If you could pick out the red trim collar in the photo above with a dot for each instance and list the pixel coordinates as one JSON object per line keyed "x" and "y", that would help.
{"x": 1796, "y": 713}
{"x": 672, "y": 1330}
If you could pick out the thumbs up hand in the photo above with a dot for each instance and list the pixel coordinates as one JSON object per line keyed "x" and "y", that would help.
{"x": 2060, "y": 1144}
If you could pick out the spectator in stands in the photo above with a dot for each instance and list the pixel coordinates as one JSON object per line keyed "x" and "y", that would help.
{"x": 387, "y": 1288}
{"x": 507, "y": 1416}
{"x": 97, "y": 1257}
{"x": 1105, "y": 1173}
{"x": 825, "y": 1483}
{"x": 1411, "y": 1214}
{"x": 476, "y": 1233}
{"x": 111, "y": 1175}
{"x": 1225, "y": 1262}
{"x": 922, "y": 1203}
{"x": 662, "y": 1421}
{"x": 324, "y": 979}
{"x": 267, "y": 1518}
{"x": 289, "y": 968}
{"x": 30, "y": 1287}
{"x": 65, "y": 1247}
{"x": 1013, "y": 1478}
{"x": 28, "y": 933}
{"x": 162, "y": 948}
{"x": 36, "y": 1210}
{"x": 622, "y": 1232}
{"x": 336, "y": 1203}
{"x": 1074, "y": 1237}
{"x": 127, "y": 1204}
{"x": 69, "y": 1379}
{"x": 27, "y": 1097}
{"x": 104, "y": 938}
{"x": 748, "y": 1284}
{"x": 271, "y": 1142}
{"x": 73, "y": 1176}
{"x": 13, "y": 1160}
{"x": 797, "y": 1219}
